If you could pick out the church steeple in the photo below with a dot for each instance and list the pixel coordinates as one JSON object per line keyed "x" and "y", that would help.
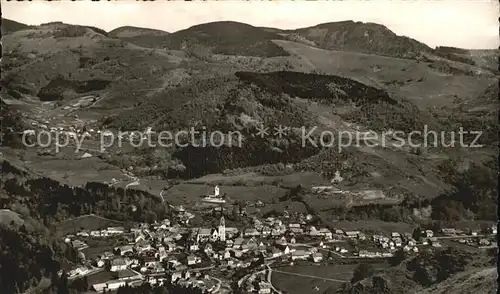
{"x": 222, "y": 229}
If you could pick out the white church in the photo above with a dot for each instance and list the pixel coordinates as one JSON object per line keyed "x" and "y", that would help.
{"x": 214, "y": 198}
{"x": 213, "y": 234}
{"x": 216, "y": 234}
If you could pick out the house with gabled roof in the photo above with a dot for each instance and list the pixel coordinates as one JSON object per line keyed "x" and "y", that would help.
{"x": 288, "y": 250}
{"x": 266, "y": 231}
{"x": 125, "y": 249}
{"x": 395, "y": 235}
{"x": 208, "y": 248}
{"x": 192, "y": 260}
{"x": 251, "y": 232}
{"x": 238, "y": 242}
{"x": 194, "y": 247}
{"x": 275, "y": 252}
{"x": 352, "y": 234}
{"x": 203, "y": 234}
{"x": 264, "y": 288}
{"x": 142, "y": 246}
{"x": 313, "y": 232}
{"x": 317, "y": 257}
{"x": 275, "y": 232}
{"x": 225, "y": 255}
{"x": 281, "y": 241}
{"x": 296, "y": 231}
{"x": 231, "y": 232}
{"x": 118, "y": 264}
{"x": 300, "y": 254}
{"x": 326, "y": 233}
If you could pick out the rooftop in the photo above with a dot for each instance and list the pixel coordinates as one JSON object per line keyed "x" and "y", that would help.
{"x": 126, "y": 274}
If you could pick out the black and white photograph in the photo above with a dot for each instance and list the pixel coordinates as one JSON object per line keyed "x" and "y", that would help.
{"x": 271, "y": 147}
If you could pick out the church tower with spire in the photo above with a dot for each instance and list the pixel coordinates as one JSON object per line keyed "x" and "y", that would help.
{"x": 222, "y": 229}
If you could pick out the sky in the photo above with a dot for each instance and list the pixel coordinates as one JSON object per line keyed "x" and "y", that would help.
{"x": 471, "y": 24}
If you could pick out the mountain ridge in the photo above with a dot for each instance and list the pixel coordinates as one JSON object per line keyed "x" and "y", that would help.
{"x": 10, "y": 26}
{"x": 272, "y": 30}
{"x": 133, "y": 31}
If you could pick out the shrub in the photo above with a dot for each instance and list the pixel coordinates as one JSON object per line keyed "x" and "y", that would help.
{"x": 362, "y": 272}
{"x": 199, "y": 52}
{"x": 70, "y": 32}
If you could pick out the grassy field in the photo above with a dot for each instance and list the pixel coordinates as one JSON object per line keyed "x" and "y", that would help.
{"x": 98, "y": 247}
{"x": 87, "y": 222}
{"x": 100, "y": 277}
{"x": 279, "y": 207}
{"x": 378, "y": 226}
{"x": 433, "y": 88}
{"x": 305, "y": 179}
{"x": 8, "y": 216}
{"x": 67, "y": 166}
{"x": 294, "y": 284}
{"x": 189, "y": 194}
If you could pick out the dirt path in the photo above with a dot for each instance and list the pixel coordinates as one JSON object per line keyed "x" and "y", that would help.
{"x": 269, "y": 274}
{"x": 309, "y": 276}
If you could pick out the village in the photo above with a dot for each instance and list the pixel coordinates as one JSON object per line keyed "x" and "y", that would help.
{"x": 172, "y": 251}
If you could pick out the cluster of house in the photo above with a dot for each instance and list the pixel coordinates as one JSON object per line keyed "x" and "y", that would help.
{"x": 70, "y": 131}
{"x": 284, "y": 248}
{"x": 276, "y": 228}
{"x": 477, "y": 242}
{"x": 119, "y": 279}
{"x": 396, "y": 240}
{"x": 480, "y": 240}
{"x": 160, "y": 252}
{"x": 153, "y": 254}
{"x": 80, "y": 271}
{"x": 374, "y": 254}
{"x": 131, "y": 277}
{"x": 110, "y": 231}
{"x": 155, "y": 250}
{"x": 238, "y": 244}
{"x": 428, "y": 238}
{"x": 256, "y": 283}
{"x": 80, "y": 245}
{"x": 491, "y": 230}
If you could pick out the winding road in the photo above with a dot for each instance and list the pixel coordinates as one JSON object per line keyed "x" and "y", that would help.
{"x": 269, "y": 273}
{"x": 89, "y": 106}
{"x": 161, "y": 196}
{"x": 219, "y": 283}
{"x": 135, "y": 182}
